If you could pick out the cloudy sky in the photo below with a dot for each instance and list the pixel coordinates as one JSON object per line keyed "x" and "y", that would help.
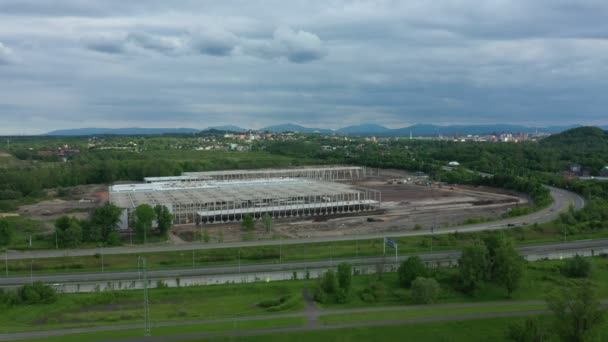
{"x": 330, "y": 63}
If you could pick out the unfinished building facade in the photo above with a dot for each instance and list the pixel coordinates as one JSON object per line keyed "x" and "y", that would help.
{"x": 219, "y": 201}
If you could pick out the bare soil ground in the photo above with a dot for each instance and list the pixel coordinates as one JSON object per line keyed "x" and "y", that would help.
{"x": 77, "y": 202}
{"x": 404, "y": 207}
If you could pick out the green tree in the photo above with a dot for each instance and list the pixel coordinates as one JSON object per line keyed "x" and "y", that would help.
{"x": 329, "y": 283}
{"x": 68, "y": 232}
{"x": 345, "y": 276}
{"x": 6, "y": 233}
{"x": 493, "y": 242}
{"x": 410, "y": 269}
{"x": 144, "y": 216}
{"x": 473, "y": 266}
{"x": 248, "y": 224}
{"x": 577, "y": 310}
{"x": 508, "y": 266}
{"x": 267, "y": 221}
{"x": 530, "y": 331}
{"x": 425, "y": 290}
{"x": 104, "y": 223}
{"x": 164, "y": 219}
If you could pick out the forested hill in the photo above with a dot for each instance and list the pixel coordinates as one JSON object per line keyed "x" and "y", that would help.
{"x": 587, "y": 146}
{"x": 581, "y": 138}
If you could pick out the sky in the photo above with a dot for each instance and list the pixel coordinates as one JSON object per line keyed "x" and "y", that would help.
{"x": 328, "y": 64}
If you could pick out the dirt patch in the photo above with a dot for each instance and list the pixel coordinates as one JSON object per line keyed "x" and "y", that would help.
{"x": 408, "y": 202}
{"x": 4, "y": 155}
{"x": 2, "y": 215}
{"x": 78, "y": 201}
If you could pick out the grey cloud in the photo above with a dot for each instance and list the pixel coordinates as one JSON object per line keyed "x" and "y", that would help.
{"x": 327, "y": 64}
{"x": 166, "y": 45}
{"x": 301, "y": 46}
{"x": 105, "y": 44}
{"x": 214, "y": 42}
{"x": 6, "y": 54}
{"x": 297, "y": 47}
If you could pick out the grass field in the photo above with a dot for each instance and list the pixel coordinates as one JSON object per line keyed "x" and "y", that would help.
{"x": 239, "y": 300}
{"x": 539, "y": 280}
{"x": 423, "y": 313}
{"x": 544, "y": 233}
{"x": 180, "y": 330}
{"x": 175, "y": 304}
{"x": 479, "y": 330}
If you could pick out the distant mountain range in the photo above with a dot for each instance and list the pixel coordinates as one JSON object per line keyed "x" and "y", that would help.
{"x": 122, "y": 131}
{"x": 420, "y": 130}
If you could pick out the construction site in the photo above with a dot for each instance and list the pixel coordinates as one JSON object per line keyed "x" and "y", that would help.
{"x": 311, "y": 201}
{"x": 228, "y": 196}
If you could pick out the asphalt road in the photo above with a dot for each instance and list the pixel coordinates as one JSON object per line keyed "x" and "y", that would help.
{"x": 561, "y": 201}
{"x": 290, "y": 266}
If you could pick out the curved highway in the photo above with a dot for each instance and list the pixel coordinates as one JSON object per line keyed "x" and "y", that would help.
{"x": 562, "y": 199}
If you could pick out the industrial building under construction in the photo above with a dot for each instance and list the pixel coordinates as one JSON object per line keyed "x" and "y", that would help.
{"x": 227, "y": 196}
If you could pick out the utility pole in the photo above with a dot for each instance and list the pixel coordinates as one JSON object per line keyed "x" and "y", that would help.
{"x": 6, "y": 261}
{"x": 192, "y": 259}
{"x": 239, "y": 262}
{"x": 56, "y": 240}
{"x": 384, "y": 246}
{"x": 147, "y": 330}
{"x": 31, "y": 271}
{"x": 101, "y": 259}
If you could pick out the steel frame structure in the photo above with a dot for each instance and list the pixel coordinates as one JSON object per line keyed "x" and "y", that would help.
{"x": 220, "y": 201}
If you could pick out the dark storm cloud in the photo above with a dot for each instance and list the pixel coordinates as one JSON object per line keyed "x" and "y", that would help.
{"x": 317, "y": 63}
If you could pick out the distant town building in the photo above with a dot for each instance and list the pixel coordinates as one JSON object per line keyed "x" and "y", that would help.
{"x": 453, "y": 163}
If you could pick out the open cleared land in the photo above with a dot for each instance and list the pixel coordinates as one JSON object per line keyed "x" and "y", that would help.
{"x": 75, "y": 201}
{"x": 239, "y": 300}
{"x": 404, "y": 207}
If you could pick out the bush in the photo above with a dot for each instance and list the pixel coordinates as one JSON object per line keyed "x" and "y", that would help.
{"x": 8, "y": 298}
{"x": 373, "y": 293}
{"x": 274, "y": 302}
{"x": 411, "y": 269}
{"x": 425, "y": 290}
{"x": 6, "y": 233}
{"x": 37, "y": 293}
{"x": 531, "y": 330}
{"x": 320, "y": 296}
{"x": 342, "y": 296}
{"x": 577, "y": 267}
